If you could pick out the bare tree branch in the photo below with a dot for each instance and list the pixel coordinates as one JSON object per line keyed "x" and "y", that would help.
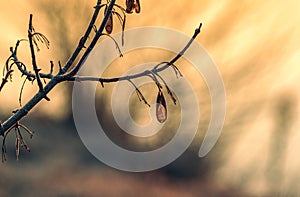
{"x": 83, "y": 39}
{"x": 155, "y": 70}
{"x": 95, "y": 40}
{"x": 69, "y": 71}
{"x": 33, "y": 58}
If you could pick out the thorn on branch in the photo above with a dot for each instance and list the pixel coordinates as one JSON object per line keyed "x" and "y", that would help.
{"x": 95, "y": 28}
{"x": 102, "y": 83}
{"x": 81, "y": 42}
{"x": 51, "y": 67}
{"x": 15, "y": 111}
{"x": 197, "y": 31}
{"x": 60, "y": 67}
{"x": 46, "y": 97}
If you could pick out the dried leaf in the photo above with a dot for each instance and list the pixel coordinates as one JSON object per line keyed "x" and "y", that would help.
{"x": 130, "y": 5}
{"x": 161, "y": 108}
{"x": 137, "y": 6}
{"x": 109, "y": 24}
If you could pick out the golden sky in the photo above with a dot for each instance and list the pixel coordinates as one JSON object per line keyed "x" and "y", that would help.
{"x": 255, "y": 45}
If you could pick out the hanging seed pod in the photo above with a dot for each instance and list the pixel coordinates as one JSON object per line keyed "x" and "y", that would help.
{"x": 130, "y": 5}
{"x": 137, "y": 6}
{"x": 109, "y": 23}
{"x": 161, "y": 107}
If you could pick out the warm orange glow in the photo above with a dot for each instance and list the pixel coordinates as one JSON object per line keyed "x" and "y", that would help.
{"x": 255, "y": 44}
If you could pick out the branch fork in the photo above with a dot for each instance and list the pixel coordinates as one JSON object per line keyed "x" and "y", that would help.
{"x": 69, "y": 71}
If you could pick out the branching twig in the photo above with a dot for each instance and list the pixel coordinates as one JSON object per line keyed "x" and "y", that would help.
{"x": 83, "y": 39}
{"x": 21, "y": 92}
{"x": 19, "y": 141}
{"x": 94, "y": 41}
{"x": 168, "y": 89}
{"x": 31, "y": 35}
{"x": 68, "y": 72}
{"x": 5, "y": 79}
{"x": 155, "y": 70}
{"x": 11, "y": 121}
{"x": 116, "y": 43}
{"x": 139, "y": 93}
{"x": 176, "y": 70}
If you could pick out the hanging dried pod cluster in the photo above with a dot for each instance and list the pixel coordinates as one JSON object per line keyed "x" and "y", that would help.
{"x": 19, "y": 143}
{"x": 133, "y": 5}
{"x": 118, "y": 11}
{"x": 161, "y": 104}
{"x": 68, "y": 72}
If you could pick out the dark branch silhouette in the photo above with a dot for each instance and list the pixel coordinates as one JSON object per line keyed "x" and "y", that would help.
{"x": 69, "y": 71}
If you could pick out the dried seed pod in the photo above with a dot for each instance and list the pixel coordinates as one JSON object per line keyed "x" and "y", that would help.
{"x": 130, "y": 5}
{"x": 17, "y": 147}
{"x": 109, "y": 24}
{"x": 137, "y": 6}
{"x": 161, "y": 107}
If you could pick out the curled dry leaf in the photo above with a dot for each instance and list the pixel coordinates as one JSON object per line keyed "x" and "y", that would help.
{"x": 137, "y": 6}
{"x": 161, "y": 107}
{"x": 109, "y": 24}
{"x": 133, "y": 5}
{"x": 129, "y": 6}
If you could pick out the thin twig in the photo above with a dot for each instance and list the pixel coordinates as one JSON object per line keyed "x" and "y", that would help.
{"x": 83, "y": 39}
{"x": 33, "y": 58}
{"x": 22, "y": 68}
{"x": 116, "y": 43}
{"x": 139, "y": 93}
{"x": 54, "y": 80}
{"x": 168, "y": 89}
{"x": 5, "y": 126}
{"x": 27, "y": 130}
{"x": 137, "y": 75}
{"x": 94, "y": 41}
{"x": 5, "y": 79}
{"x": 21, "y": 92}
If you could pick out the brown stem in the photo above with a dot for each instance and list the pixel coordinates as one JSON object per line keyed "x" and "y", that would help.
{"x": 94, "y": 41}
{"x": 33, "y": 58}
{"x": 155, "y": 70}
{"x": 83, "y": 39}
{"x": 22, "y": 112}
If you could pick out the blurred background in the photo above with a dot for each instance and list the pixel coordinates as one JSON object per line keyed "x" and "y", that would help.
{"x": 255, "y": 45}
